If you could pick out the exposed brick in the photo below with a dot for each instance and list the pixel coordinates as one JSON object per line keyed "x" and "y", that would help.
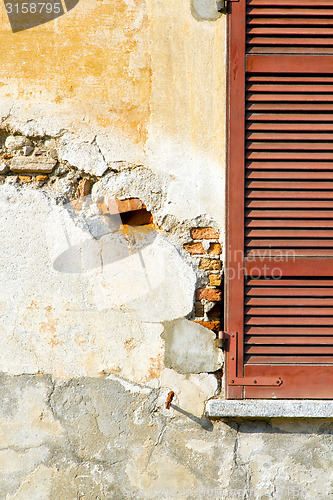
{"x": 215, "y": 326}
{"x": 211, "y": 294}
{"x": 194, "y": 248}
{"x": 215, "y": 280}
{"x": 204, "y": 233}
{"x": 210, "y": 264}
{"x": 121, "y": 206}
{"x": 41, "y": 178}
{"x": 25, "y": 178}
{"x": 199, "y": 310}
{"x": 215, "y": 249}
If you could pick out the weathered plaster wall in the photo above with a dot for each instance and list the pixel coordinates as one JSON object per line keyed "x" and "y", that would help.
{"x": 123, "y": 99}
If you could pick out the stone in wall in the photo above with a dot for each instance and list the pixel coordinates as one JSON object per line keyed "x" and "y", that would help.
{"x": 32, "y": 164}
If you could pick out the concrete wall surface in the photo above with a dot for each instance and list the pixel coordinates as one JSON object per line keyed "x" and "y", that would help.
{"x": 112, "y": 163}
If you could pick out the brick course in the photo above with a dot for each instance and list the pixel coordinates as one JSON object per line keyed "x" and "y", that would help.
{"x": 204, "y": 233}
{"x": 208, "y": 297}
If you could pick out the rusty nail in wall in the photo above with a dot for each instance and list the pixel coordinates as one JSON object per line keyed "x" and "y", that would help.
{"x": 169, "y": 400}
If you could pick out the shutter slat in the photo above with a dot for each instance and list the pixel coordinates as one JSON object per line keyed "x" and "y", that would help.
{"x": 289, "y": 175}
{"x": 277, "y": 11}
{"x": 300, "y": 165}
{"x": 289, "y": 311}
{"x": 270, "y": 97}
{"x": 289, "y": 320}
{"x": 289, "y": 350}
{"x": 289, "y": 204}
{"x": 303, "y": 31}
{"x": 293, "y": 117}
{"x": 290, "y": 340}
{"x": 278, "y": 301}
{"x": 289, "y": 233}
{"x": 277, "y": 106}
{"x": 292, "y": 360}
{"x": 282, "y": 282}
{"x": 287, "y": 21}
{"x": 295, "y": 252}
{"x": 315, "y": 185}
{"x": 323, "y": 31}
{"x": 288, "y": 136}
{"x": 283, "y": 330}
{"x": 294, "y": 78}
{"x": 292, "y": 214}
{"x": 290, "y": 194}
{"x": 288, "y": 223}
{"x": 288, "y": 3}
{"x": 279, "y": 243}
{"x": 289, "y": 146}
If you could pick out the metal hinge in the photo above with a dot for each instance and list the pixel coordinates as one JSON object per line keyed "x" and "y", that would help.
{"x": 221, "y": 340}
{"x": 221, "y": 5}
{"x": 232, "y": 377}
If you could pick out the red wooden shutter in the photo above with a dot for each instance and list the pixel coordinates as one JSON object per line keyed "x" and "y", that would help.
{"x": 279, "y": 270}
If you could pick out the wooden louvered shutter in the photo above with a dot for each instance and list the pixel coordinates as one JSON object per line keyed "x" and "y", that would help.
{"x": 279, "y": 269}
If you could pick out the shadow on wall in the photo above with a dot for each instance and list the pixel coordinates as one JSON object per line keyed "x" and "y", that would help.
{"x": 25, "y": 15}
{"x": 109, "y": 228}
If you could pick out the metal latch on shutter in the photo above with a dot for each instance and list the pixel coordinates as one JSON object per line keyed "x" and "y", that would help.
{"x": 233, "y": 379}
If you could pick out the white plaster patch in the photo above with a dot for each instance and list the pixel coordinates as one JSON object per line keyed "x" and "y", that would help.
{"x": 51, "y": 322}
{"x": 117, "y": 148}
{"x": 190, "y": 348}
{"x": 152, "y": 282}
{"x": 197, "y": 179}
{"x": 191, "y": 391}
{"x": 133, "y": 269}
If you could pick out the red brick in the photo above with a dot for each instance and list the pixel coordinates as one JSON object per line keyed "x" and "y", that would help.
{"x": 215, "y": 326}
{"x": 41, "y": 178}
{"x": 215, "y": 280}
{"x": 25, "y": 178}
{"x": 211, "y": 294}
{"x": 215, "y": 249}
{"x": 210, "y": 264}
{"x": 195, "y": 248}
{"x": 204, "y": 233}
{"x": 121, "y": 206}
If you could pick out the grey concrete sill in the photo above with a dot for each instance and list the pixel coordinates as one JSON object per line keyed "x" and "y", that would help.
{"x": 263, "y": 408}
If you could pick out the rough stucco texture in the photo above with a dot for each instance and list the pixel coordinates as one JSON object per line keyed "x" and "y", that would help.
{"x": 103, "y": 439}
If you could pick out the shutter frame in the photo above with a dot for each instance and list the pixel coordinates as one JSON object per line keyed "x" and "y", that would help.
{"x": 263, "y": 170}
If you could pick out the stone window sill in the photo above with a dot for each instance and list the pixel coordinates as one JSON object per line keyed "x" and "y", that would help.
{"x": 263, "y": 408}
